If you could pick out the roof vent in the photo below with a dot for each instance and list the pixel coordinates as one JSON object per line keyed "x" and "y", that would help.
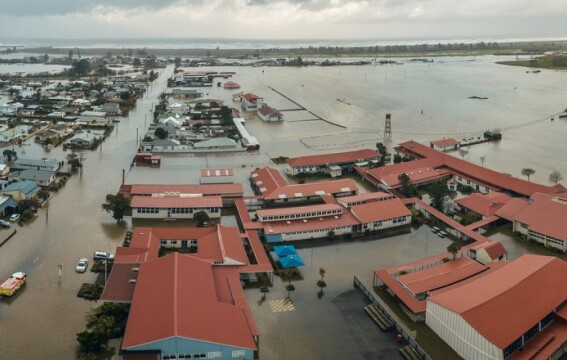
{"x": 288, "y": 222}
{"x": 132, "y": 281}
{"x": 304, "y": 220}
{"x": 135, "y": 269}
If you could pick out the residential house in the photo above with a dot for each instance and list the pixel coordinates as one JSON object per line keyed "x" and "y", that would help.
{"x": 111, "y": 109}
{"x": 42, "y": 178}
{"x": 268, "y": 113}
{"x": 4, "y": 170}
{"x": 33, "y": 164}
{"x": 22, "y": 190}
{"x": 84, "y": 139}
{"x": 251, "y": 102}
{"x": 7, "y": 206}
{"x": 445, "y": 144}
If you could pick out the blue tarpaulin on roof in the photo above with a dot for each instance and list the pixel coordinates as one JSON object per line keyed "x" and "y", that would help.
{"x": 285, "y": 250}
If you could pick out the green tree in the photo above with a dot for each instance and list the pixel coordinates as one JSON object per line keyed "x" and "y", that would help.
{"x": 321, "y": 283}
{"x": 91, "y": 341}
{"x": 454, "y": 248}
{"x": 81, "y": 67}
{"x": 74, "y": 162}
{"x": 406, "y": 186}
{"x": 161, "y": 133}
{"x": 177, "y": 62}
{"x": 438, "y": 193}
{"x": 117, "y": 205}
{"x": 226, "y": 114}
{"x": 137, "y": 62}
{"x": 9, "y": 154}
{"x": 528, "y": 172}
{"x": 201, "y": 218}
{"x": 381, "y": 148}
{"x": 288, "y": 275}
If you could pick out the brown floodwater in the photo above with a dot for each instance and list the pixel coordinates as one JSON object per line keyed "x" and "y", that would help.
{"x": 43, "y": 318}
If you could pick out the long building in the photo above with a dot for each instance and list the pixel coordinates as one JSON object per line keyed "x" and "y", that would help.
{"x": 175, "y": 206}
{"x": 432, "y": 165}
{"x": 228, "y": 192}
{"x": 515, "y": 312}
{"x": 167, "y": 320}
{"x": 333, "y": 163}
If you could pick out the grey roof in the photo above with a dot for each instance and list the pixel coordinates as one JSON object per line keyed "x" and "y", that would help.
{"x": 34, "y": 175}
{"x": 34, "y": 162}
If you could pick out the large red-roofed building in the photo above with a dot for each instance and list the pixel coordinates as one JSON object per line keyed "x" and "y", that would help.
{"x": 327, "y": 162}
{"x": 174, "y": 207}
{"x": 516, "y": 312}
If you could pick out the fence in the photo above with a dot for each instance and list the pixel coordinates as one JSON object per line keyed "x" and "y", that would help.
{"x": 401, "y": 329}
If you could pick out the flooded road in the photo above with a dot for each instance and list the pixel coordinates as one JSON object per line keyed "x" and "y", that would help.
{"x": 43, "y": 318}
{"x": 41, "y": 321}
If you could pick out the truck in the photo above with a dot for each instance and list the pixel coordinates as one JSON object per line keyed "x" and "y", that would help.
{"x": 13, "y": 283}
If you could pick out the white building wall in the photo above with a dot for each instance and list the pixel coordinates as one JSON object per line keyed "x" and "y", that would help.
{"x": 387, "y": 224}
{"x": 459, "y": 335}
{"x": 163, "y": 214}
{"x": 316, "y": 233}
{"x": 468, "y": 182}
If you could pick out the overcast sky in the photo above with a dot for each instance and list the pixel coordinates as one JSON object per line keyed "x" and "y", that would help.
{"x": 283, "y": 19}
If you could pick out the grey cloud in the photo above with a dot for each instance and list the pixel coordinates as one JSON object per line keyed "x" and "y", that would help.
{"x": 64, "y": 7}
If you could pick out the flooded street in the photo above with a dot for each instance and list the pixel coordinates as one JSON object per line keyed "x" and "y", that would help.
{"x": 42, "y": 320}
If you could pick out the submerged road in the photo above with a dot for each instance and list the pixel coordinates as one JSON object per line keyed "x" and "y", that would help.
{"x": 41, "y": 321}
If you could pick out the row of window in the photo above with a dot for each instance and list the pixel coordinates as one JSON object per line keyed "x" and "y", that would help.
{"x": 143, "y": 210}
{"x": 184, "y": 243}
{"x": 317, "y": 231}
{"x": 303, "y": 215}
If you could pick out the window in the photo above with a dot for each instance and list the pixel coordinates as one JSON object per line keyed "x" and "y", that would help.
{"x": 238, "y": 353}
{"x": 214, "y": 354}
{"x": 173, "y": 242}
{"x": 169, "y": 357}
{"x": 163, "y": 242}
{"x": 184, "y": 243}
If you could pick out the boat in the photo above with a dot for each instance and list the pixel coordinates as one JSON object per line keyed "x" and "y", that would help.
{"x": 13, "y": 283}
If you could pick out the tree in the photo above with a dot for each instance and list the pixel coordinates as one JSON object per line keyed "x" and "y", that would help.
{"x": 438, "y": 193}
{"x": 226, "y": 114}
{"x": 528, "y": 172}
{"x": 454, "y": 249}
{"x": 288, "y": 274}
{"x": 381, "y": 148}
{"x": 201, "y": 218}
{"x": 406, "y": 186}
{"x": 137, "y": 62}
{"x": 161, "y": 133}
{"x": 9, "y": 154}
{"x": 81, "y": 67}
{"x": 463, "y": 153}
{"x": 74, "y": 162}
{"x": 482, "y": 160}
{"x": 177, "y": 62}
{"x": 91, "y": 341}
{"x": 321, "y": 283}
{"x": 117, "y": 205}
{"x": 555, "y": 177}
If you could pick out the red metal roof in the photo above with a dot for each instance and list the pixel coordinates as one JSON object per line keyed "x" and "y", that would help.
{"x": 231, "y": 85}
{"x": 268, "y": 110}
{"x": 485, "y": 205}
{"x": 251, "y": 97}
{"x": 494, "y": 249}
{"x": 312, "y": 224}
{"x": 267, "y": 179}
{"x": 368, "y": 197}
{"x": 440, "y": 276}
{"x": 205, "y": 189}
{"x": 512, "y": 208}
{"x": 380, "y": 210}
{"x": 298, "y": 210}
{"x": 334, "y": 158}
{"x": 506, "y": 303}
{"x": 546, "y": 214}
{"x": 217, "y": 172}
{"x": 164, "y": 309}
{"x": 486, "y": 175}
{"x": 446, "y": 142}
{"x": 176, "y": 202}
{"x": 312, "y": 189}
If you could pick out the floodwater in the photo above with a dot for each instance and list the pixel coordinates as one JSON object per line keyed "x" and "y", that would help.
{"x": 42, "y": 320}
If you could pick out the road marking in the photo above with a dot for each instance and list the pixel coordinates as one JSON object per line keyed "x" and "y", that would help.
{"x": 35, "y": 260}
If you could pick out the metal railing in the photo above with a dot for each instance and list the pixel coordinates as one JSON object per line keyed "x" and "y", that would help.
{"x": 400, "y": 328}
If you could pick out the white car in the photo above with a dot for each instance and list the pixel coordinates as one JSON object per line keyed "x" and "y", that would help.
{"x": 103, "y": 255}
{"x": 82, "y": 265}
{"x": 14, "y": 217}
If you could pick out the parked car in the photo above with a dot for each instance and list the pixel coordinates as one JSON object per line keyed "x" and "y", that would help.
{"x": 4, "y": 223}
{"x": 103, "y": 255}
{"x": 82, "y": 265}
{"x": 435, "y": 229}
{"x": 442, "y": 233}
{"x": 15, "y": 217}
